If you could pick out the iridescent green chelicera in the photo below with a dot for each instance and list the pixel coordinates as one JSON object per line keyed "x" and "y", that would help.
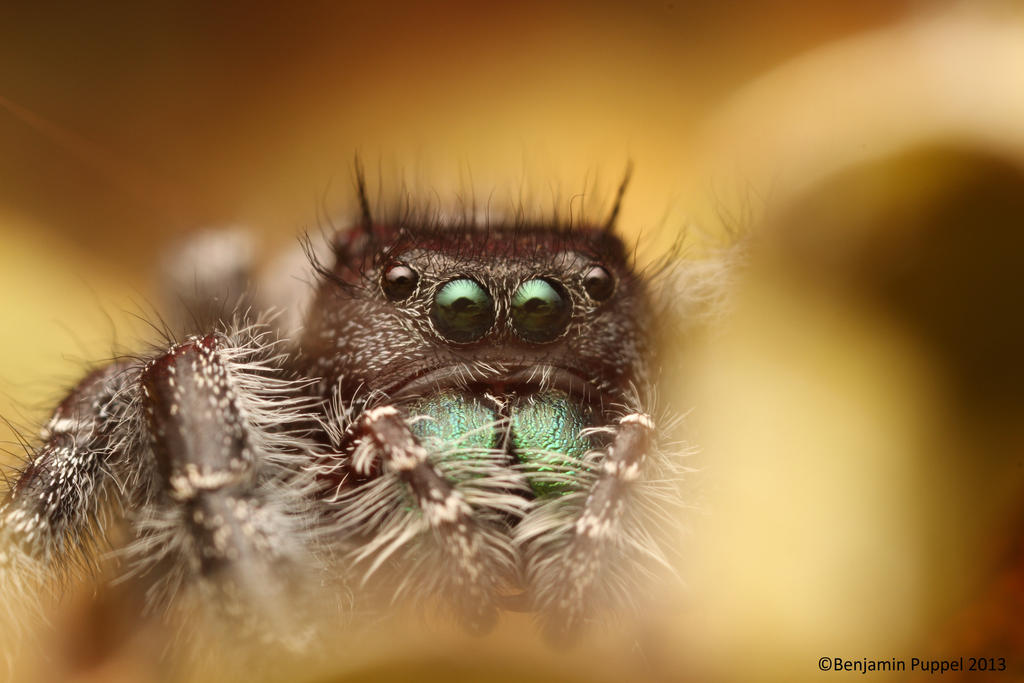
{"x": 543, "y": 432}
{"x": 540, "y": 310}
{"x": 456, "y": 420}
{"x": 463, "y": 310}
{"x": 545, "y": 435}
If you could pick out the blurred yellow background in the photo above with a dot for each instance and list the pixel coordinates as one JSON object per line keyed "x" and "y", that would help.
{"x": 858, "y": 407}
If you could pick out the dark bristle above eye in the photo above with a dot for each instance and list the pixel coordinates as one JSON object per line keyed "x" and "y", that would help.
{"x": 399, "y": 281}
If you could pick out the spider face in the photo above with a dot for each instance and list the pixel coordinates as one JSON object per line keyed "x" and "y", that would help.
{"x": 406, "y": 310}
{"x": 514, "y": 339}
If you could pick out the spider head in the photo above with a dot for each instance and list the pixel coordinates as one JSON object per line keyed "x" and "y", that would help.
{"x": 407, "y": 308}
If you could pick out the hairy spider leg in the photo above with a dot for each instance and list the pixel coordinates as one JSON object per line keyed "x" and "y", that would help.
{"x": 448, "y": 514}
{"x": 52, "y": 513}
{"x": 218, "y": 523}
{"x": 564, "y": 580}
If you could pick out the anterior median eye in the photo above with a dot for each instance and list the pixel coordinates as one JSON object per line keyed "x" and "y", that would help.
{"x": 463, "y": 310}
{"x": 540, "y": 310}
{"x": 399, "y": 281}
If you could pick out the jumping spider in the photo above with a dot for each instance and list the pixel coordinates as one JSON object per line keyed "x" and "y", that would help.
{"x": 460, "y": 419}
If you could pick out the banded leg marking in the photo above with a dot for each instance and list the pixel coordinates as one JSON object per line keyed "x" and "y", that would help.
{"x": 596, "y": 530}
{"x": 218, "y": 522}
{"x": 50, "y": 513}
{"x": 448, "y": 514}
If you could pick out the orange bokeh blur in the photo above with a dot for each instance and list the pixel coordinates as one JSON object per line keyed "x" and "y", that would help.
{"x": 856, "y": 407}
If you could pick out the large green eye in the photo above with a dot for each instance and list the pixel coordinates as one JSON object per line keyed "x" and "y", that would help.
{"x": 463, "y": 310}
{"x": 540, "y": 310}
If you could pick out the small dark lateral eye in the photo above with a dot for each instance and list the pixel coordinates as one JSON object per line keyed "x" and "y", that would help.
{"x": 540, "y": 310}
{"x": 399, "y": 281}
{"x": 599, "y": 283}
{"x": 463, "y": 310}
